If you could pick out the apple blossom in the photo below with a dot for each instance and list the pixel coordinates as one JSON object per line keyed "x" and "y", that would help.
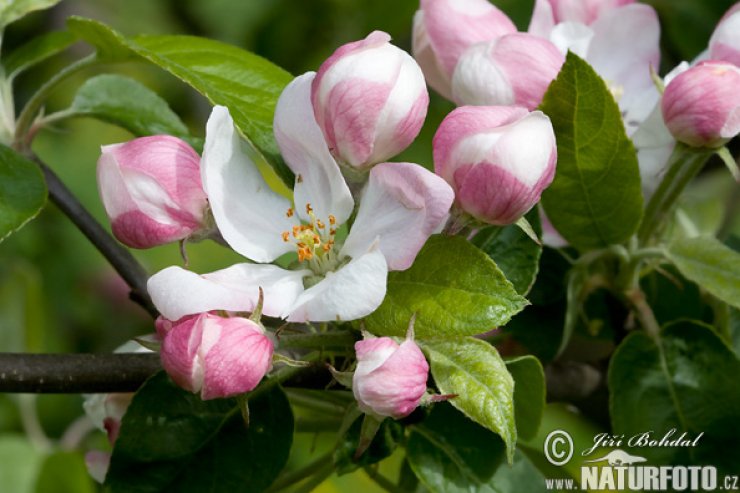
{"x": 620, "y": 40}
{"x": 725, "y": 41}
{"x": 390, "y": 378}
{"x": 444, "y": 29}
{"x": 151, "y": 189}
{"x": 701, "y": 106}
{"x": 215, "y": 356}
{"x": 498, "y": 160}
{"x": 513, "y": 69}
{"x": 370, "y": 100}
{"x": 402, "y": 205}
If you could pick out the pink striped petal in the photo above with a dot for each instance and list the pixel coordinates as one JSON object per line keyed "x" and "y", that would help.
{"x": 402, "y": 206}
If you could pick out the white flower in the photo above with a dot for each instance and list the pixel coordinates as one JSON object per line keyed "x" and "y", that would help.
{"x": 402, "y": 205}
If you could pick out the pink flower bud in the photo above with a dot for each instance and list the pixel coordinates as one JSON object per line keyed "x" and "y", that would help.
{"x": 725, "y": 41}
{"x": 514, "y": 69}
{"x": 216, "y": 356}
{"x": 701, "y": 106}
{"x": 151, "y": 190}
{"x": 390, "y": 379}
{"x": 444, "y": 29}
{"x": 370, "y": 101}
{"x": 498, "y": 159}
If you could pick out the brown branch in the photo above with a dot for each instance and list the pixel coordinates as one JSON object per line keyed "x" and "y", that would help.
{"x": 75, "y": 373}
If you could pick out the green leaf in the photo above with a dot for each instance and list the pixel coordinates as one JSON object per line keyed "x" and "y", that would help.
{"x": 687, "y": 381}
{"x": 595, "y": 199}
{"x": 514, "y": 252}
{"x": 450, "y": 453}
{"x": 110, "y": 46}
{"x": 245, "y": 83}
{"x": 529, "y": 394}
{"x": 710, "y": 264}
{"x": 172, "y": 441}
{"x": 129, "y": 104}
{"x": 64, "y": 472}
{"x": 19, "y": 464}
{"x": 453, "y": 288}
{"x": 36, "y": 51}
{"x": 12, "y": 10}
{"x": 22, "y": 191}
{"x": 386, "y": 440}
{"x": 473, "y": 369}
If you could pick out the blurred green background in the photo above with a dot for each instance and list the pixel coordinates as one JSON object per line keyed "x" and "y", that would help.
{"x": 57, "y": 294}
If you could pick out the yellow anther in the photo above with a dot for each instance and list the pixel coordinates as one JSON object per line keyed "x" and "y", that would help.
{"x": 332, "y": 219}
{"x": 290, "y": 212}
{"x": 320, "y": 224}
{"x": 332, "y": 231}
{"x": 286, "y": 236}
{"x": 309, "y": 209}
{"x": 326, "y": 247}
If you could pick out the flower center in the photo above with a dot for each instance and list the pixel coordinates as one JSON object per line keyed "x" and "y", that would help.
{"x": 314, "y": 241}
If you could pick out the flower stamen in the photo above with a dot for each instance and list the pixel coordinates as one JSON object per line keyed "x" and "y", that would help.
{"x": 313, "y": 243}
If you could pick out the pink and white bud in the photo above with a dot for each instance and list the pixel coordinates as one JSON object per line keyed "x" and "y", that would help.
{"x": 701, "y": 106}
{"x": 725, "y": 41}
{"x": 498, "y": 159}
{"x": 216, "y": 356}
{"x": 370, "y": 101}
{"x": 444, "y": 29}
{"x": 152, "y": 191}
{"x": 515, "y": 69}
{"x": 391, "y": 378}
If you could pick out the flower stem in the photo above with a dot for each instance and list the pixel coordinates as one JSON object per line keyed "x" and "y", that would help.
{"x": 119, "y": 257}
{"x": 338, "y": 339}
{"x": 283, "y": 374}
{"x": 23, "y": 136}
{"x": 316, "y": 468}
{"x": 683, "y": 165}
{"x": 382, "y": 481}
{"x": 322, "y": 404}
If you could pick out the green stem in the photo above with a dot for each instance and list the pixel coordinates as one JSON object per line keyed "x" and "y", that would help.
{"x": 644, "y": 313}
{"x": 307, "y": 400}
{"x": 310, "y": 469}
{"x": 317, "y": 425}
{"x": 339, "y": 339}
{"x": 683, "y": 165}
{"x": 382, "y": 481}
{"x": 23, "y": 136}
{"x": 283, "y": 374}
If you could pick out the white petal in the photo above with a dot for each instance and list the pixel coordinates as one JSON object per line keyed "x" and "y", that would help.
{"x": 319, "y": 181}
{"x": 478, "y": 80}
{"x": 352, "y": 292}
{"x": 250, "y": 216}
{"x": 177, "y": 292}
{"x": 572, "y": 36}
{"x": 625, "y": 45}
{"x": 402, "y": 205}
{"x": 543, "y": 19}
